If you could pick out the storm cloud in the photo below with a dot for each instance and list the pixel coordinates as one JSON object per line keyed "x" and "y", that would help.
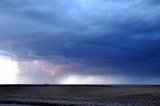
{"x": 83, "y": 38}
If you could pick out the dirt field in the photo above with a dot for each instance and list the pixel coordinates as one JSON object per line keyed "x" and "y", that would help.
{"x": 109, "y": 95}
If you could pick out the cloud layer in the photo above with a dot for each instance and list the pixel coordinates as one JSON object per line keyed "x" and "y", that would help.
{"x": 83, "y": 37}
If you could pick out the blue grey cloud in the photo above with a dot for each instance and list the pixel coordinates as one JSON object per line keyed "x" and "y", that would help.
{"x": 122, "y": 34}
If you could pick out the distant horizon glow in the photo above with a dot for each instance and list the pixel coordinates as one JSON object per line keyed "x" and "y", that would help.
{"x": 88, "y": 79}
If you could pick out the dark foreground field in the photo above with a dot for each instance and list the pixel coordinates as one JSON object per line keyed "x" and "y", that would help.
{"x": 109, "y": 95}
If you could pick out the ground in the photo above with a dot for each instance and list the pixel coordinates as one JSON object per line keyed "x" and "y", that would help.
{"x": 110, "y": 95}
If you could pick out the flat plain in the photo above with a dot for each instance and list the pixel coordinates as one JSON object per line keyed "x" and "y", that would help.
{"x": 108, "y": 95}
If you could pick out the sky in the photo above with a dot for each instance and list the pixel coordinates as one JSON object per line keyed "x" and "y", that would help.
{"x": 79, "y": 41}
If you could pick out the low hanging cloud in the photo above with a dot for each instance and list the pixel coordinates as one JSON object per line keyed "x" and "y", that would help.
{"x": 82, "y": 37}
{"x": 88, "y": 79}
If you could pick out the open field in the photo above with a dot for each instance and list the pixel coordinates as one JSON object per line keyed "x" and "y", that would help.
{"x": 110, "y": 95}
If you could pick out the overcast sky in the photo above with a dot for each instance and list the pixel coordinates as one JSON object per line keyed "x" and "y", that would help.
{"x": 82, "y": 41}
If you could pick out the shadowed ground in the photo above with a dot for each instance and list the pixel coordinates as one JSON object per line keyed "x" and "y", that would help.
{"x": 111, "y": 95}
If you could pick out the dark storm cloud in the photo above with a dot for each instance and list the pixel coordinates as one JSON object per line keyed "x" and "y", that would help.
{"x": 121, "y": 34}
